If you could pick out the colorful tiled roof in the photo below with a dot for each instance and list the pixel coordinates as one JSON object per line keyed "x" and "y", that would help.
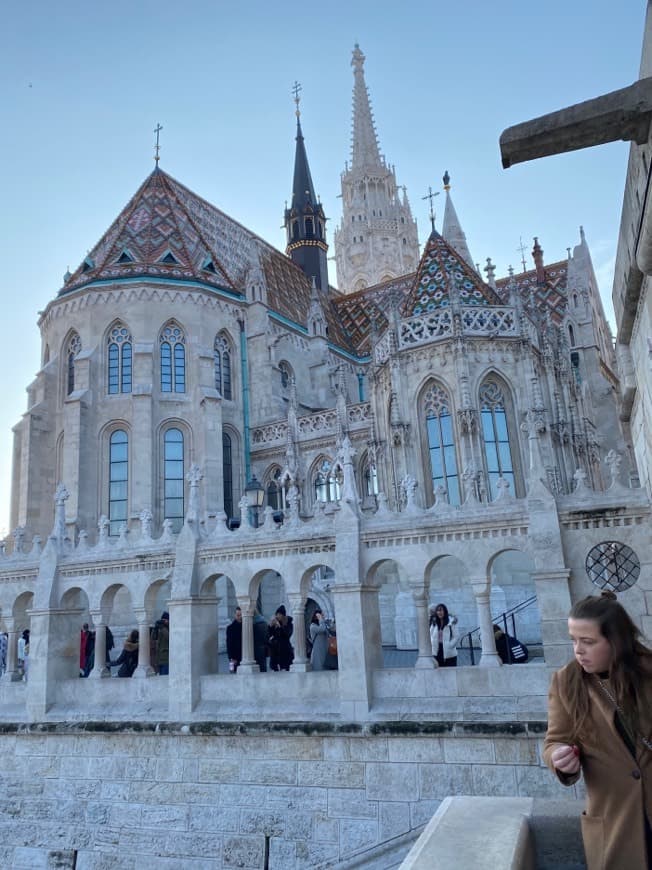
{"x": 358, "y": 312}
{"x": 166, "y": 231}
{"x": 551, "y": 294}
{"x": 443, "y": 273}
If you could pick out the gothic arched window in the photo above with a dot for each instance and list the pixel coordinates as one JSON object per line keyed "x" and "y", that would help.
{"x": 173, "y": 477}
{"x": 277, "y": 490}
{"x": 441, "y": 442}
{"x": 328, "y": 485}
{"x": 495, "y": 434}
{"x": 227, "y": 474}
{"x": 173, "y": 359}
{"x": 118, "y": 480}
{"x": 222, "y": 365}
{"x": 370, "y": 477}
{"x": 74, "y": 348}
{"x": 286, "y": 374}
{"x": 119, "y": 368}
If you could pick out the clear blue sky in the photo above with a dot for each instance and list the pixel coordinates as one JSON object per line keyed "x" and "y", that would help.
{"x": 83, "y": 84}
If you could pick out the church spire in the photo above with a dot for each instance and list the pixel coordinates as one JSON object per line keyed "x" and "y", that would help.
{"x": 377, "y": 239}
{"x": 305, "y": 221}
{"x": 452, "y": 229}
{"x": 364, "y": 152}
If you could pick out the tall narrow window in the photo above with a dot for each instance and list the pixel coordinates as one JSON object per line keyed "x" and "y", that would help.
{"x": 74, "y": 347}
{"x": 119, "y": 358}
{"x": 173, "y": 478}
{"x": 495, "y": 434}
{"x": 222, "y": 363}
{"x": 441, "y": 442}
{"x": 327, "y": 483}
{"x": 277, "y": 491}
{"x": 227, "y": 474}
{"x": 118, "y": 480}
{"x": 173, "y": 360}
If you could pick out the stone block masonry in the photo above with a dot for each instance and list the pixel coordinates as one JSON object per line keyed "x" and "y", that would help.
{"x": 205, "y": 796}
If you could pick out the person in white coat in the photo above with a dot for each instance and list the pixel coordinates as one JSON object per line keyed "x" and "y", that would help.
{"x": 444, "y": 636}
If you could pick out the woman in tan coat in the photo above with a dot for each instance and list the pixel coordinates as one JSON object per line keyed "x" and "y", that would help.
{"x": 600, "y": 725}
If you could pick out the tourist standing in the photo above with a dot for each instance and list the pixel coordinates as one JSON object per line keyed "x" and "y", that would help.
{"x": 234, "y": 641}
{"x": 281, "y": 651}
{"x": 162, "y": 636}
{"x": 600, "y": 725}
{"x": 127, "y": 661}
{"x": 443, "y": 636}
{"x": 319, "y": 641}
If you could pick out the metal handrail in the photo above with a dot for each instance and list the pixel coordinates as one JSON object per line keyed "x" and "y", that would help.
{"x": 497, "y": 620}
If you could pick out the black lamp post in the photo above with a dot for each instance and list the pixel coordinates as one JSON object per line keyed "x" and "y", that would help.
{"x": 255, "y": 495}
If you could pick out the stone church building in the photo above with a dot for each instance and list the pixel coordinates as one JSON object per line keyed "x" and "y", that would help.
{"x": 213, "y": 424}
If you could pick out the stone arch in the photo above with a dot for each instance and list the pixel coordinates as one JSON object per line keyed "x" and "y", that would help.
{"x": 267, "y": 590}
{"x": 513, "y": 591}
{"x": 448, "y": 583}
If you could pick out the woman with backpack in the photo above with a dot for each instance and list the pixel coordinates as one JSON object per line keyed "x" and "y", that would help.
{"x": 443, "y": 636}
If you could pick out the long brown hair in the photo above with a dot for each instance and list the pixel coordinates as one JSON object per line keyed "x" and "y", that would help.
{"x": 631, "y": 663}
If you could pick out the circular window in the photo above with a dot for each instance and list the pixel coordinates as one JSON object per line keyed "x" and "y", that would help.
{"x": 612, "y": 565}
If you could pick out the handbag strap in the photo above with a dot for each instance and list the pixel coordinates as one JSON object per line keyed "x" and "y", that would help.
{"x": 623, "y": 718}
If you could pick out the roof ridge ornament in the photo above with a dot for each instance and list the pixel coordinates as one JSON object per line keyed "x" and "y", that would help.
{"x": 296, "y": 90}
{"x": 157, "y": 147}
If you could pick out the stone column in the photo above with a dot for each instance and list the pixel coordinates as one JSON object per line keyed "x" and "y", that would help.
{"x": 99, "y": 667}
{"x": 554, "y": 601}
{"x": 482, "y": 590}
{"x": 248, "y": 665}
{"x": 144, "y": 668}
{"x": 11, "y": 675}
{"x": 425, "y": 660}
{"x": 298, "y": 608}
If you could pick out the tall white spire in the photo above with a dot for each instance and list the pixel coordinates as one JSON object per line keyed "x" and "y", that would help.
{"x": 452, "y": 229}
{"x": 365, "y": 155}
{"x": 377, "y": 239}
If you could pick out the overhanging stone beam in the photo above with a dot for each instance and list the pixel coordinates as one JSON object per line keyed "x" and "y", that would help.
{"x": 624, "y": 114}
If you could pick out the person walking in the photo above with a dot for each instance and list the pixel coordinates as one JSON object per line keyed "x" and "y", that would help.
{"x": 600, "y": 726}
{"x": 234, "y": 641}
{"x": 443, "y": 636}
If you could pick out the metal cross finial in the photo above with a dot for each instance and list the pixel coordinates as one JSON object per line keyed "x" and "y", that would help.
{"x": 431, "y": 195}
{"x": 157, "y": 147}
{"x": 522, "y": 248}
{"x": 296, "y": 90}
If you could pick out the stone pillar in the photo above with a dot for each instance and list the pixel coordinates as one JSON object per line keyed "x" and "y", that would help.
{"x": 425, "y": 660}
{"x": 99, "y": 667}
{"x": 11, "y": 675}
{"x": 248, "y": 665}
{"x": 298, "y": 608}
{"x": 405, "y": 620}
{"x": 482, "y": 591}
{"x": 193, "y": 650}
{"x": 554, "y": 601}
{"x": 359, "y": 649}
{"x": 144, "y": 668}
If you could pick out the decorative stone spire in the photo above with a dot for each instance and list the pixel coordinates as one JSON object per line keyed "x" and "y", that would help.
{"x": 537, "y": 256}
{"x": 377, "y": 239}
{"x": 364, "y": 152}
{"x": 305, "y": 221}
{"x": 452, "y": 229}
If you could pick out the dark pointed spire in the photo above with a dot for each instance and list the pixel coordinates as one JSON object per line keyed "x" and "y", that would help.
{"x": 305, "y": 221}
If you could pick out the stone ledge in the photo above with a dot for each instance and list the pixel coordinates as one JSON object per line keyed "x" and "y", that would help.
{"x": 347, "y": 729}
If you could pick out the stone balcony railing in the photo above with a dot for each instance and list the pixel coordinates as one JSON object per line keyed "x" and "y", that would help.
{"x": 316, "y": 425}
{"x": 489, "y": 321}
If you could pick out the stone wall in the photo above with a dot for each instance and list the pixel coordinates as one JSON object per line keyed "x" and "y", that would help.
{"x": 206, "y": 795}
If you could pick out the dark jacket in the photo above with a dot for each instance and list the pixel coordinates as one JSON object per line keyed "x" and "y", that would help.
{"x": 260, "y": 642}
{"x": 281, "y": 651}
{"x": 234, "y": 641}
{"x": 127, "y": 660}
